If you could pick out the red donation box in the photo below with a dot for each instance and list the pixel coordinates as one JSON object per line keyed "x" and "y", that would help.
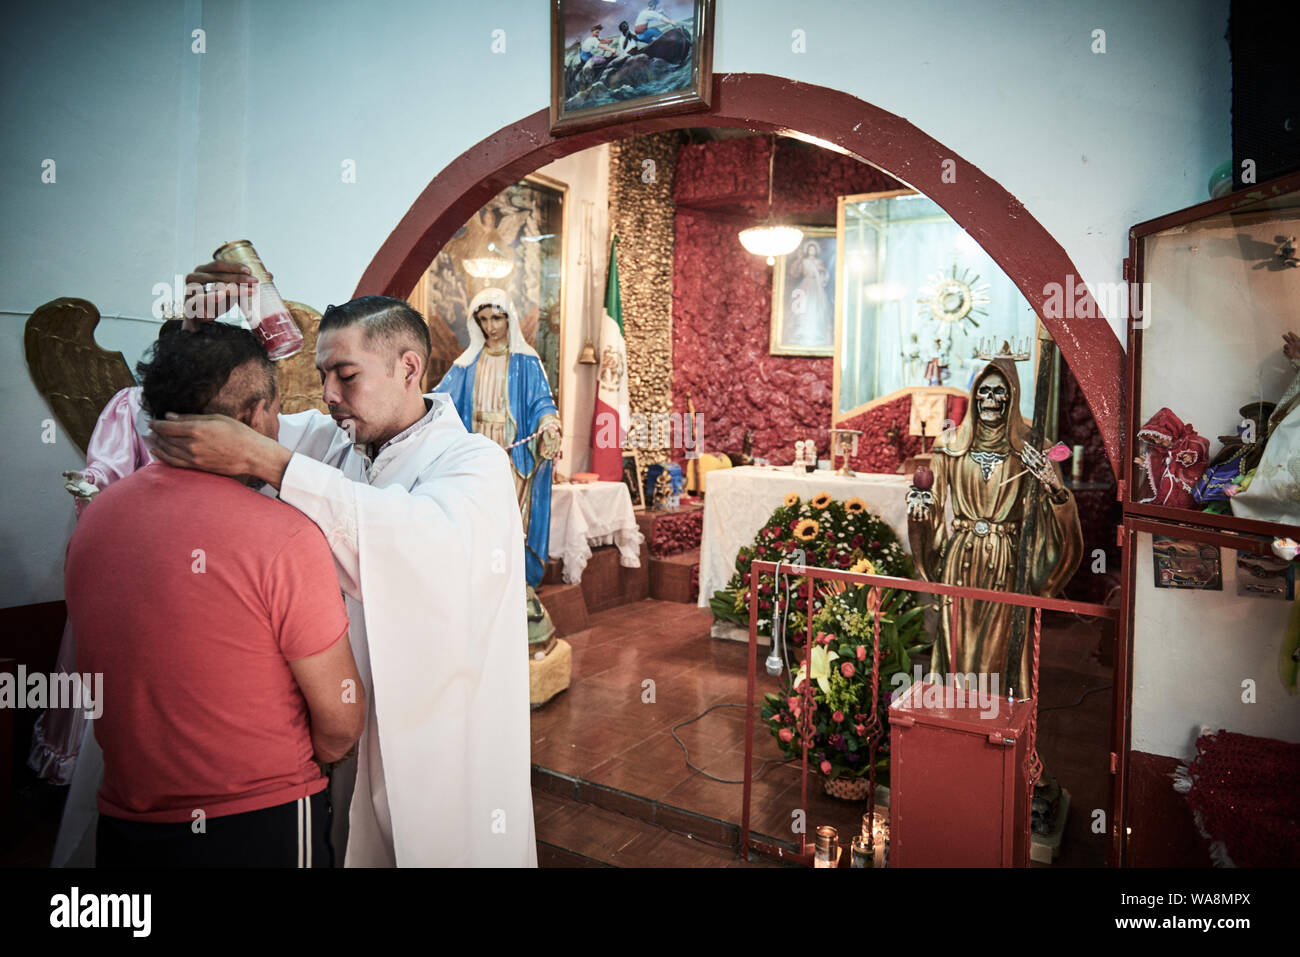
{"x": 957, "y": 785}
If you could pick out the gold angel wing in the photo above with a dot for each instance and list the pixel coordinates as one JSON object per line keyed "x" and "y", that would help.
{"x": 296, "y": 376}
{"x": 72, "y": 372}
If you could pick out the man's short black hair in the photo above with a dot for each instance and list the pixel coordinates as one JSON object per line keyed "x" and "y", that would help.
{"x": 393, "y": 322}
{"x": 184, "y": 371}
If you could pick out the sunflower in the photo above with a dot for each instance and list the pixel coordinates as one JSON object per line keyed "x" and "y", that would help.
{"x": 792, "y": 500}
{"x": 822, "y": 500}
{"x": 864, "y": 567}
{"x": 806, "y": 530}
{"x": 855, "y": 505}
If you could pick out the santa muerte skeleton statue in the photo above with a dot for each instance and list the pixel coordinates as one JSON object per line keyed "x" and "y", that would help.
{"x": 1015, "y": 525}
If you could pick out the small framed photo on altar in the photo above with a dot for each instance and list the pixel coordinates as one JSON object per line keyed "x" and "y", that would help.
{"x": 803, "y": 296}
{"x": 632, "y": 479}
{"x": 618, "y": 60}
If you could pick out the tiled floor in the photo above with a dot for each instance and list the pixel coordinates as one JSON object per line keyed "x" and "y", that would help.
{"x": 610, "y": 839}
{"x": 644, "y": 668}
{"x": 607, "y": 742}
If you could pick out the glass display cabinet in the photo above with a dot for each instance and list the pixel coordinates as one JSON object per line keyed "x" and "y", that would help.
{"x": 1216, "y": 287}
{"x": 1211, "y": 478}
{"x": 916, "y": 297}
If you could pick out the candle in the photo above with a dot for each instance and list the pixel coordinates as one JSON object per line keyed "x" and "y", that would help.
{"x": 827, "y": 853}
{"x": 863, "y": 856}
{"x": 1076, "y": 464}
{"x": 875, "y": 836}
{"x": 880, "y": 842}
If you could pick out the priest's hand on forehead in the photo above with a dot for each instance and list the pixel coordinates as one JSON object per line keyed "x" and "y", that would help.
{"x": 212, "y": 289}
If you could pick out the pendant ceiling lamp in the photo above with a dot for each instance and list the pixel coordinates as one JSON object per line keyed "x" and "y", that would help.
{"x": 771, "y": 239}
{"x": 487, "y": 259}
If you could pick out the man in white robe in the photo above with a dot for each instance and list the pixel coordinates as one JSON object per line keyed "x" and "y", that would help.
{"x": 422, "y": 521}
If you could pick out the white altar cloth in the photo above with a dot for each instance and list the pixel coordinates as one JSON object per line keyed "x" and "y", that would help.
{"x": 741, "y": 500}
{"x": 592, "y": 513}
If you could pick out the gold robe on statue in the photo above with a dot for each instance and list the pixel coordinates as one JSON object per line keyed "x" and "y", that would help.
{"x": 980, "y": 549}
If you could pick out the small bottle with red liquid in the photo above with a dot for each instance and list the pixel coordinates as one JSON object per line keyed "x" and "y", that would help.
{"x": 267, "y": 315}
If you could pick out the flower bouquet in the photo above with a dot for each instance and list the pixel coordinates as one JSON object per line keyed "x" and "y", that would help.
{"x": 820, "y": 532}
{"x": 837, "y": 719}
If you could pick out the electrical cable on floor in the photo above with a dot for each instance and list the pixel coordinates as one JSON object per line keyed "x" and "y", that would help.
{"x": 1059, "y": 707}
{"x": 712, "y": 777}
{"x": 763, "y": 767}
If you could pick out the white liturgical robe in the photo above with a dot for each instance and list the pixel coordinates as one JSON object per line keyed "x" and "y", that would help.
{"x": 430, "y": 556}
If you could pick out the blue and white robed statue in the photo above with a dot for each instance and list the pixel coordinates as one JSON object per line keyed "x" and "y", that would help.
{"x": 500, "y": 390}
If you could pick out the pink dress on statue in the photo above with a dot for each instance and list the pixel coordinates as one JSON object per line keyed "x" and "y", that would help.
{"x": 116, "y": 449}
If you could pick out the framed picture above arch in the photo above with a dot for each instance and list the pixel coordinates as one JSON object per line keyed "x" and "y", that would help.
{"x": 619, "y": 60}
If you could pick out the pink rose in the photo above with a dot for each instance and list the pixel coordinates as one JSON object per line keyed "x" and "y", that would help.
{"x": 847, "y": 669}
{"x": 861, "y": 729}
{"x": 837, "y": 717}
{"x": 861, "y": 652}
{"x": 826, "y": 767}
{"x": 786, "y": 735}
{"x": 792, "y": 703}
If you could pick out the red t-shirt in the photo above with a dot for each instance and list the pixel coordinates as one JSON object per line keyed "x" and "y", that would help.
{"x": 191, "y": 593}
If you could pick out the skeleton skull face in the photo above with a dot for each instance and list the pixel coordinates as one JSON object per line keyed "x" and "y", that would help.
{"x": 992, "y": 398}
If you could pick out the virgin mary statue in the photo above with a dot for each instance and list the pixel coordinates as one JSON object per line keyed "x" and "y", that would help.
{"x": 500, "y": 390}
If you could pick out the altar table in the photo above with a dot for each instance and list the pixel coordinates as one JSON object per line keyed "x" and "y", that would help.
{"x": 741, "y": 500}
{"x": 592, "y": 513}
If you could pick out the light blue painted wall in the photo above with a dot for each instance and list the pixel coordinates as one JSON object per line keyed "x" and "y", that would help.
{"x": 163, "y": 153}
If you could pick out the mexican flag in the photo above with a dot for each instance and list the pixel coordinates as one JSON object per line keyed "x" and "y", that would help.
{"x": 611, "y": 415}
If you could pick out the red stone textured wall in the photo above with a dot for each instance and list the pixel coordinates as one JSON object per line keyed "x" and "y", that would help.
{"x": 806, "y": 179}
{"x": 722, "y": 295}
{"x": 675, "y": 533}
{"x": 881, "y": 451}
{"x": 722, "y": 305}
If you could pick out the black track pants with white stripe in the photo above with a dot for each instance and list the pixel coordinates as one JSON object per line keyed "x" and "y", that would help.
{"x": 296, "y": 834}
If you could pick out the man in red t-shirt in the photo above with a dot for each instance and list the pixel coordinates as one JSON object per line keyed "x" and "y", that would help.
{"x": 215, "y": 617}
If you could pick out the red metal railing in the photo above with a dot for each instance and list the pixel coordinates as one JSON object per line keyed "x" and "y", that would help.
{"x": 877, "y": 582}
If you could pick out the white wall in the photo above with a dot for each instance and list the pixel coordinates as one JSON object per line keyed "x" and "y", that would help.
{"x": 112, "y": 100}
{"x": 1192, "y": 651}
{"x": 287, "y": 91}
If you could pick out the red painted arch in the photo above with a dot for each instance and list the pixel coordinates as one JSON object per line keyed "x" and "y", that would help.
{"x": 993, "y": 217}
